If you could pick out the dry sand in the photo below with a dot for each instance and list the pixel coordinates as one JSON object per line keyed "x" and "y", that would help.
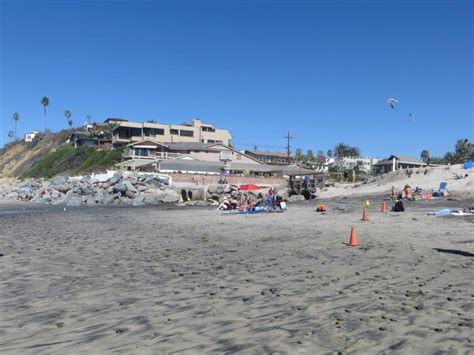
{"x": 164, "y": 280}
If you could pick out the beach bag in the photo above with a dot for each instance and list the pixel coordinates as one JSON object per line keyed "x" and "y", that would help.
{"x": 398, "y": 207}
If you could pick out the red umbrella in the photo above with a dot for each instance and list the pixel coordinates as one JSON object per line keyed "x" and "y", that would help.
{"x": 248, "y": 187}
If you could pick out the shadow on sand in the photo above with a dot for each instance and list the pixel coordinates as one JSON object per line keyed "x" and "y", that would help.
{"x": 454, "y": 251}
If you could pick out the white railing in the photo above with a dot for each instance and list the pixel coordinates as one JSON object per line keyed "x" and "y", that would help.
{"x": 130, "y": 153}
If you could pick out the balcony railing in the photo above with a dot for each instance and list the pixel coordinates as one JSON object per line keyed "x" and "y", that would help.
{"x": 131, "y": 154}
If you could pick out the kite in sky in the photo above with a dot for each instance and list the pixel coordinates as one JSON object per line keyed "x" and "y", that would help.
{"x": 392, "y": 102}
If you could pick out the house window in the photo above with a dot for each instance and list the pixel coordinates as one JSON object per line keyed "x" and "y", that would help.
{"x": 211, "y": 141}
{"x": 159, "y": 131}
{"x": 174, "y": 131}
{"x": 148, "y": 132}
{"x": 207, "y": 129}
{"x": 135, "y": 132}
{"x": 142, "y": 152}
{"x": 239, "y": 156}
{"x": 184, "y": 133}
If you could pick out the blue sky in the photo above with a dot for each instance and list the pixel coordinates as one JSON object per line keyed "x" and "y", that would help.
{"x": 321, "y": 69}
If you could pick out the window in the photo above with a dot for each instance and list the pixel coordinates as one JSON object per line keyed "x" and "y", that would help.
{"x": 174, "y": 131}
{"x": 239, "y": 157}
{"x": 135, "y": 132}
{"x": 159, "y": 131}
{"x": 207, "y": 129}
{"x": 142, "y": 152}
{"x": 147, "y": 132}
{"x": 184, "y": 133}
{"x": 211, "y": 141}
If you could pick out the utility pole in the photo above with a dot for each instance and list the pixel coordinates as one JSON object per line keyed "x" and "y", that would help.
{"x": 288, "y": 137}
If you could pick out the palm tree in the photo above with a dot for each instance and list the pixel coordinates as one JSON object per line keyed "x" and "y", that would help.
{"x": 89, "y": 116}
{"x": 16, "y": 117}
{"x": 11, "y": 135}
{"x": 68, "y": 115}
{"x": 45, "y": 102}
{"x": 464, "y": 150}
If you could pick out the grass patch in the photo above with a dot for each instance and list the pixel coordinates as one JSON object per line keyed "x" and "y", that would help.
{"x": 68, "y": 160}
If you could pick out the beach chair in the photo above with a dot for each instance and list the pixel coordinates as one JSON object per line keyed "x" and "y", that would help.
{"x": 442, "y": 187}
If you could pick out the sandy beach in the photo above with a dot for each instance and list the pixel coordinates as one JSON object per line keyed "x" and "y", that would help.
{"x": 164, "y": 280}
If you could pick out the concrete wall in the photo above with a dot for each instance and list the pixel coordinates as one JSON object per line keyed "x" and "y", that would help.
{"x": 214, "y": 179}
{"x": 214, "y": 156}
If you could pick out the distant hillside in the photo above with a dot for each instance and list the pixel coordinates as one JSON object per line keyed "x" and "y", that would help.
{"x": 50, "y": 156}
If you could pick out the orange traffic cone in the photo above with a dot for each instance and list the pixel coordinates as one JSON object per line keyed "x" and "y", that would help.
{"x": 384, "y": 207}
{"x": 365, "y": 215}
{"x": 353, "y": 238}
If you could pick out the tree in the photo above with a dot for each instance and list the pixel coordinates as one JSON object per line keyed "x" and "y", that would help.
{"x": 464, "y": 150}
{"x": 151, "y": 121}
{"x": 320, "y": 156}
{"x": 45, "y": 102}
{"x": 451, "y": 158}
{"x": 16, "y": 117}
{"x": 68, "y": 115}
{"x": 299, "y": 155}
{"x": 353, "y": 152}
{"x": 425, "y": 156}
{"x": 11, "y": 135}
{"x": 309, "y": 158}
{"x": 89, "y": 116}
{"x": 329, "y": 153}
{"x": 341, "y": 150}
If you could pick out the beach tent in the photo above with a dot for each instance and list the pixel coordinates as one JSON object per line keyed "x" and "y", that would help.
{"x": 468, "y": 165}
{"x": 248, "y": 187}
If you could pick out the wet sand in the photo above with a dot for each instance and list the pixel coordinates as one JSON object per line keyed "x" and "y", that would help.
{"x": 162, "y": 280}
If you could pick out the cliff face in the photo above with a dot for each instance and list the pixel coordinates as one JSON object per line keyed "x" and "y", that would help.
{"x": 17, "y": 158}
{"x": 49, "y": 156}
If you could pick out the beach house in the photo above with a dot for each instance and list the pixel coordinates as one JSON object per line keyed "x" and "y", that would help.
{"x": 125, "y": 132}
{"x": 271, "y": 158}
{"x": 396, "y": 162}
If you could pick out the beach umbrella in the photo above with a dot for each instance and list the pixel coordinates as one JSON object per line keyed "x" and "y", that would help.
{"x": 248, "y": 187}
{"x": 392, "y": 102}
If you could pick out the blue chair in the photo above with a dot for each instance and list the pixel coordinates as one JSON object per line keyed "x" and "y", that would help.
{"x": 442, "y": 187}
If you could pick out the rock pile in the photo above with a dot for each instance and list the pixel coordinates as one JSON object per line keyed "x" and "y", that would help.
{"x": 123, "y": 189}
{"x": 119, "y": 189}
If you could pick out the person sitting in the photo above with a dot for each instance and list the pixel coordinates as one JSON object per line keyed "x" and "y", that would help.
{"x": 259, "y": 200}
{"x": 394, "y": 192}
{"x": 407, "y": 192}
{"x": 270, "y": 196}
{"x": 225, "y": 205}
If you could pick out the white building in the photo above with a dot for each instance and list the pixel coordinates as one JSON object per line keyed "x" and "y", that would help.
{"x": 363, "y": 163}
{"x": 30, "y": 137}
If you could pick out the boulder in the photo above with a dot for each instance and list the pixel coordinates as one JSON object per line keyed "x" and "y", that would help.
{"x": 168, "y": 196}
{"x": 63, "y": 188}
{"x": 59, "y": 180}
{"x": 131, "y": 194}
{"x": 74, "y": 200}
{"x": 90, "y": 201}
{"x": 212, "y": 189}
{"x": 115, "y": 178}
{"x": 108, "y": 199}
{"x": 55, "y": 194}
{"x": 130, "y": 186}
{"x": 120, "y": 187}
{"x": 296, "y": 198}
{"x": 139, "y": 200}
